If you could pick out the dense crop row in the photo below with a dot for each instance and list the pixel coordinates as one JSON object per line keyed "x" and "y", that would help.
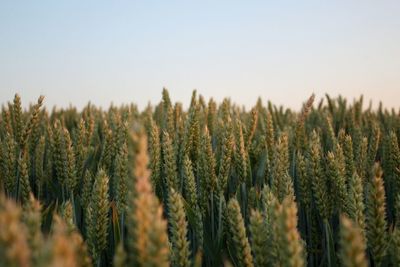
{"x": 211, "y": 185}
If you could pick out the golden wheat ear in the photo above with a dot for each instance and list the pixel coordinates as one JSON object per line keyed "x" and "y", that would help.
{"x": 14, "y": 246}
{"x": 352, "y": 251}
{"x": 147, "y": 240}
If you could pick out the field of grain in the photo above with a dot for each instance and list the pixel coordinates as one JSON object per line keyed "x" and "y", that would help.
{"x": 211, "y": 185}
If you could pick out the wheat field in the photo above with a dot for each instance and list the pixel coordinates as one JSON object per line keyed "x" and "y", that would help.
{"x": 211, "y": 185}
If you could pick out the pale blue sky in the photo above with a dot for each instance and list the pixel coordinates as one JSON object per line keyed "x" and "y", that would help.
{"x": 126, "y": 51}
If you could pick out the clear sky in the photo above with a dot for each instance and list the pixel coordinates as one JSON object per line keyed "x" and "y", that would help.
{"x": 126, "y": 51}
